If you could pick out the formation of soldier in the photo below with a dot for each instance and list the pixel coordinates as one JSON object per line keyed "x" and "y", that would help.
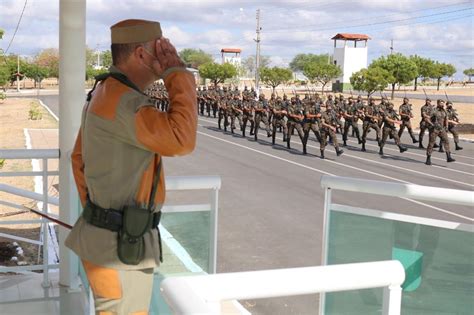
{"x": 323, "y": 118}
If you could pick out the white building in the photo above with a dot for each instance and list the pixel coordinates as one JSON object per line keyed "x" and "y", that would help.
{"x": 231, "y": 55}
{"x": 350, "y": 53}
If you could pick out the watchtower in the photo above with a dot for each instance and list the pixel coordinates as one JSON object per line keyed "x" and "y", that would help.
{"x": 350, "y": 53}
{"x": 231, "y": 55}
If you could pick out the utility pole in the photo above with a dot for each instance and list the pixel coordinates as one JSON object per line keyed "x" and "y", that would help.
{"x": 257, "y": 57}
{"x": 18, "y": 73}
{"x": 391, "y": 46}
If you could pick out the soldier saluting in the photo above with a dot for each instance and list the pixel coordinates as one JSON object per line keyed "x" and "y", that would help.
{"x": 437, "y": 128}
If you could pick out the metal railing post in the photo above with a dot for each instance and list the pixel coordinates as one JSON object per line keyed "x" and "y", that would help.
{"x": 213, "y": 219}
{"x": 392, "y": 300}
{"x": 326, "y": 217}
{"x": 45, "y": 226}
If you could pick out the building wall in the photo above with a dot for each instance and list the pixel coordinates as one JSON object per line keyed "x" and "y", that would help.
{"x": 236, "y": 61}
{"x": 350, "y": 60}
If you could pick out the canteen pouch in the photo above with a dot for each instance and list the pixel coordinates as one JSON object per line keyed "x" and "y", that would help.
{"x": 131, "y": 244}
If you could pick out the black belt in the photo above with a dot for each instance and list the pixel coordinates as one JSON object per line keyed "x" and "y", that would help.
{"x": 109, "y": 219}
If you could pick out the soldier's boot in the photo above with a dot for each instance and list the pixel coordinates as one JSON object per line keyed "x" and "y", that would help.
{"x": 255, "y": 135}
{"x": 449, "y": 158}
{"x": 359, "y": 140}
{"x": 436, "y": 146}
{"x": 269, "y": 134}
{"x": 339, "y": 151}
{"x": 457, "y": 146}
{"x": 381, "y": 151}
{"x": 273, "y": 139}
{"x": 304, "y": 149}
{"x": 219, "y": 125}
{"x": 428, "y": 160}
{"x": 420, "y": 145}
{"x": 414, "y": 139}
{"x": 440, "y": 148}
{"x": 363, "y": 147}
{"x": 402, "y": 148}
{"x": 322, "y": 154}
{"x": 251, "y": 131}
{"x": 345, "y": 143}
{"x": 288, "y": 143}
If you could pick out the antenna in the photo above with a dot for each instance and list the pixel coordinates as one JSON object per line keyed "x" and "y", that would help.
{"x": 391, "y": 46}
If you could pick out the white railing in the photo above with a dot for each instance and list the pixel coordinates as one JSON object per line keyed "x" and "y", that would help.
{"x": 405, "y": 191}
{"x": 203, "y": 294}
{"x": 211, "y": 183}
{"x": 44, "y": 155}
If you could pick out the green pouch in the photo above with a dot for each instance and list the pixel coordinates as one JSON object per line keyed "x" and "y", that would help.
{"x": 131, "y": 245}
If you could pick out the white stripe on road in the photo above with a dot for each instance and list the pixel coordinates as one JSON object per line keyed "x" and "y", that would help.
{"x": 327, "y": 173}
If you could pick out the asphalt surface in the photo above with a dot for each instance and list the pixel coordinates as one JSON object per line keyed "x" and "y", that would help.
{"x": 271, "y": 202}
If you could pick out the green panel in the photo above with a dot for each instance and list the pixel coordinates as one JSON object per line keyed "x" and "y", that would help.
{"x": 439, "y": 264}
{"x": 187, "y": 252}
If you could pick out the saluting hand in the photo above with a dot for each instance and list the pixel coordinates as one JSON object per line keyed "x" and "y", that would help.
{"x": 167, "y": 56}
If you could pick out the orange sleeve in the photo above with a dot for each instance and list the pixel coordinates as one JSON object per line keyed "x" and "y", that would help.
{"x": 174, "y": 132}
{"x": 78, "y": 169}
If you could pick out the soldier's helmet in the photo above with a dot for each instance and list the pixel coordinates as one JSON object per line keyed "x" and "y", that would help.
{"x": 204, "y": 88}
{"x": 278, "y": 98}
{"x": 330, "y": 96}
{"x": 449, "y": 104}
{"x": 199, "y": 88}
{"x": 261, "y": 96}
{"x": 390, "y": 105}
{"x": 273, "y": 95}
{"x": 252, "y": 89}
{"x": 428, "y": 100}
{"x": 225, "y": 88}
{"x": 351, "y": 98}
{"x": 341, "y": 97}
{"x": 405, "y": 99}
{"x": 285, "y": 97}
{"x": 359, "y": 97}
{"x": 245, "y": 88}
{"x": 440, "y": 102}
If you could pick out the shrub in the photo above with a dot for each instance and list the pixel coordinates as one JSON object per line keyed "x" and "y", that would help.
{"x": 35, "y": 112}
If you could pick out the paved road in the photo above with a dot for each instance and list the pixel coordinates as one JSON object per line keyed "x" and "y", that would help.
{"x": 452, "y": 98}
{"x": 271, "y": 203}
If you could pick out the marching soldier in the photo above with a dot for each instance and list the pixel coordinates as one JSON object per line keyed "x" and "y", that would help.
{"x": 295, "y": 120}
{"x": 382, "y": 108}
{"x": 279, "y": 112}
{"x": 222, "y": 106}
{"x": 329, "y": 123}
{"x": 453, "y": 121}
{"x": 390, "y": 119}
{"x": 406, "y": 115}
{"x": 260, "y": 109}
{"x": 371, "y": 120}
{"x": 351, "y": 117}
{"x": 425, "y": 121}
{"x": 312, "y": 113}
{"x": 437, "y": 128}
{"x": 236, "y": 112}
{"x": 247, "y": 114}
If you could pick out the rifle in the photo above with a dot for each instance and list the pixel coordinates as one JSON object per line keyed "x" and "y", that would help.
{"x": 447, "y": 98}
{"x": 426, "y": 96}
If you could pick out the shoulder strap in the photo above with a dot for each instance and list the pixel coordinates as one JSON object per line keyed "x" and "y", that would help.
{"x": 154, "y": 188}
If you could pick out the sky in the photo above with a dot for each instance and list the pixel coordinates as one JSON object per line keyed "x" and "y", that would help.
{"x": 438, "y": 29}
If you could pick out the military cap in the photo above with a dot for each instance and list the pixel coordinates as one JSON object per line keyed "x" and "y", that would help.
{"x": 135, "y": 31}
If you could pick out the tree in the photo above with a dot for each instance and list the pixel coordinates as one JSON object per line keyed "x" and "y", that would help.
{"x": 249, "y": 64}
{"x": 217, "y": 73}
{"x": 371, "y": 80}
{"x": 275, "y": 76}
{"x": 301, "y": 60}
{"x": 469, "y": 72}
{"x": 424, "y": 67}
{"x": 49, "y": 59}
{"x": 401, "y": 68}
{"x": 195, "y": 57}
{"x": 36, "y": 72}
{"x": 106, "y": 58}
{"x": 441, "y": 70}
{"x": 322, "y": 73}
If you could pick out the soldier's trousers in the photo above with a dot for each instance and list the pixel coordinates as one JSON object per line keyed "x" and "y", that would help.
{"x": 245, "y": 118}
{"x": 208, "y": 108}
{"x": 311, "y": 126}
{"x": 366, "y": 125}
{"x": 406, "y": 123}
{"x": 355, "y": 127}
{"x": 223, "y": 115}
{"x": 325, "y": 132}
{"x": 215, "y": 108}
{"x": 434, "y": 133}
{"x": 202, "y": 105}
{"x": 234, "y": 116}
{"x": 292, "y": 125}
{"x": 389, "y": 131}
{"x": 261, "y": 117}
{"x": 279, "y": 122}
{"x": 423, "y": 127}
{"x": 452, "y": 130}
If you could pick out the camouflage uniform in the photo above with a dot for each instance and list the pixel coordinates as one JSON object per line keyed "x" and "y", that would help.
{"x": 236, "y": 112}
{"x": 295, "y": 108}
{"x": 351, "y": 116}
{"x": 425, "y": 121}
{"x": 329, "y": 117}
{"x": 279, "y": 119}
{"x": 247, "y": 115}
{"x": 437, "y": 128}
{"x": 406, "y": 115}
{"x": 224, "y": 110}
{"x": 371, "y": 120}
{"x": 260, "y": 109}
{"x": 390, "y": 129}
{"x": 312, "y": 123}
{"x": 452, "y": 122}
